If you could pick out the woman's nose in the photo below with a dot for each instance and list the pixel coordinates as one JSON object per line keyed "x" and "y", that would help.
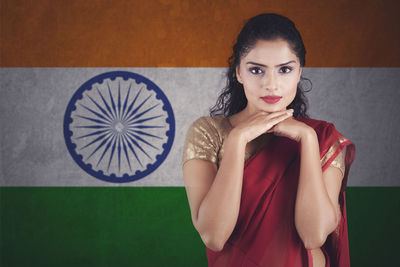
{"x": 270, "y": 81}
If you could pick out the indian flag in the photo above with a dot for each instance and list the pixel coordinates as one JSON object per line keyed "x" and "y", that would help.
{"x": 97, "y": 96}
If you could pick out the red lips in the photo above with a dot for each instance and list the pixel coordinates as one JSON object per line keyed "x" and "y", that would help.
{"x": 271, "y": 99}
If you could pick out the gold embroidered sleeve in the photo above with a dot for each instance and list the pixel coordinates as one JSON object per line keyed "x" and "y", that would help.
{"x": 201, "y": 142}
{"x": 338, "y": 162}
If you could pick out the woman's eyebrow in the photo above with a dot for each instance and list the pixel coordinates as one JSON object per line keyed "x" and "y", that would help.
{"x": 262, "y": 65}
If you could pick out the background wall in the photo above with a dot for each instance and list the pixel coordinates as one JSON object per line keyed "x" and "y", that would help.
{"x": 52, "y": 212}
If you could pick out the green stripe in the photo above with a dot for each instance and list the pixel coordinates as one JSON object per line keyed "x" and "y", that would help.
{"x": 373, "y": 225}
{"x": 151, "y": 226}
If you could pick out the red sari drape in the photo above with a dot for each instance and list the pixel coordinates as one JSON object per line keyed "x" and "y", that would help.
{"x": 265, "y": 233}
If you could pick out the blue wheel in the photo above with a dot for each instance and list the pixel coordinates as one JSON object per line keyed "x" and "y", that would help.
{"x": 119, "y": 126}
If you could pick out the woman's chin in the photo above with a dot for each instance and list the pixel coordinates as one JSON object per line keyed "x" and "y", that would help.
{"x": 273, "y": 109}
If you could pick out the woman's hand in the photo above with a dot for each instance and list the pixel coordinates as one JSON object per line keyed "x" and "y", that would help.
{"x": 291, "y": 128}
{"x": 260, "y": 123}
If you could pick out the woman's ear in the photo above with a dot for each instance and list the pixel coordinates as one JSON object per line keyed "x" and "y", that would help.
{"x": 238, "y": 77}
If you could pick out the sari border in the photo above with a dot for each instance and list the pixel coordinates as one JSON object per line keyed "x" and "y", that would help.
{"x": 333, "y": 151}
{"x": 310, "y": 258}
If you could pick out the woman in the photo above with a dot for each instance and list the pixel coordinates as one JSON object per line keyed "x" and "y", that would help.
{"x": 265, "y": 182}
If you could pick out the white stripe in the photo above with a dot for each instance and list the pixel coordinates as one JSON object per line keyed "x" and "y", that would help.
{"x": 360, "y": 101}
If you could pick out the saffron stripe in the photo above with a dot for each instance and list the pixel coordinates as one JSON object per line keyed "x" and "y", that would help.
{"x": 172, "y": 33}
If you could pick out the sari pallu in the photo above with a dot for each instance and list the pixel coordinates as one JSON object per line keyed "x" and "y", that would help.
{"x": 265, "y": 233}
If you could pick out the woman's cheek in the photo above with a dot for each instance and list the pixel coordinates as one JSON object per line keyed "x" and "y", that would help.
{"x": 252, "y": 83}
{"x": 291, "y": 83}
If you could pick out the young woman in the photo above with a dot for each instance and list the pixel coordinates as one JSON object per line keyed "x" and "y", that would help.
{"x": 265, "y": 182}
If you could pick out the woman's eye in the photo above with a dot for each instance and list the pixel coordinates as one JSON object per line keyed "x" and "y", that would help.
{"x": 285, "y": 69}
{"x": 256, "y": 70}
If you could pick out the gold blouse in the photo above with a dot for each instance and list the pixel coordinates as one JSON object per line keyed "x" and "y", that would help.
{"x": 205, "y": 140}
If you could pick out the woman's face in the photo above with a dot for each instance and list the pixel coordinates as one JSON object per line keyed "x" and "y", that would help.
{"x": 269, "y": 69}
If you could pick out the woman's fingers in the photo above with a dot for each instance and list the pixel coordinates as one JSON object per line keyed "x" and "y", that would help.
{"x": 272, "y": 122}
{"x": 261, "y": 123}
{"x": 279, "y": 113}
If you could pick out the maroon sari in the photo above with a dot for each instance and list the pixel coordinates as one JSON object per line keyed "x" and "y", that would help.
{"x": 265, "y": 233}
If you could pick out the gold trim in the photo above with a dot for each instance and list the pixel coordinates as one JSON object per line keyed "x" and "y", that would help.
{"x": 339, "y": 160}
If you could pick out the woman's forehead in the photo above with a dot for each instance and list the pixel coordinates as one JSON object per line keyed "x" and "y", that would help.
{"x": 270, "y": 53}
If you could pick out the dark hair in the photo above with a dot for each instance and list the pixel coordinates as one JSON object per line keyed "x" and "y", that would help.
{"x": 262, "y": 27}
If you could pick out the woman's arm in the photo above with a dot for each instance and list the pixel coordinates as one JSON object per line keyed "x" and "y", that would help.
{"x": 215, "y": 202}
{"x": 316, "y": 209}
{"x": 214, "y": 195}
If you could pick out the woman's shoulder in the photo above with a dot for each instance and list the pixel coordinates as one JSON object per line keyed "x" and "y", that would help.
{"x": 218, "y": 124}
{"x": 315, "y": 123}
{"x": 213, "y": 120}
{"x": 325, "y": 130}
{"x": 204, "y": 138}
{"x": 322, "y": 127}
